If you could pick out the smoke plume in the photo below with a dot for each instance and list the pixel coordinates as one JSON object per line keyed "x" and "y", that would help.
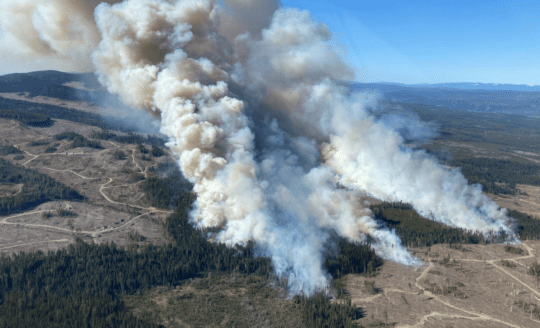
{"x": 250, "y": 96}
{"x": 60, "y": 30}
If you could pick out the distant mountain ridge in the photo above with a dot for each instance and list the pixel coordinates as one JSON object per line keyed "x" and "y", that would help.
{"x": 473, "y": 97}
{"x": 513, "y": 99}
{"x": 51, "y": 84}
{"x": 47, "y": 78}
{"x": 50, "y": 76}
{"x": 471, "y": 86}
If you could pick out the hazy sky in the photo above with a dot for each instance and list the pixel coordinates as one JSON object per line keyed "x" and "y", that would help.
{"x": 436, "y": 41}
{"x": 421, "y": 41}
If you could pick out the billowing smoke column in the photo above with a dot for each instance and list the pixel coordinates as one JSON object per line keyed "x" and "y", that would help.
{"x": 50, "y": 29}
{"x": 278, "y": 152}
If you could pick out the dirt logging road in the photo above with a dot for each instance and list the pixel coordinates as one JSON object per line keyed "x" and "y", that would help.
{"x": 455, "y": 312}
{"x": 93, "y": 233}
{"x": 475, "y": 315}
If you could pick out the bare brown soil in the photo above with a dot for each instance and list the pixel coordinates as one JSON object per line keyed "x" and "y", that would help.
{"x": 115, "y": 209}
{"x": 473, "y": 290}
{"x": 10, "y": 189}
{"x": 481, "y": 293}
{"x": 527, "y": 202}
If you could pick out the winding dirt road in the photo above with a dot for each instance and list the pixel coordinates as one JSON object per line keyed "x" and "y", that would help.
{"x": 468, "y": 314}
{"x": 37, "y": 242}
{"x": 93, "y": 233}
{"x": 475, "y": 315}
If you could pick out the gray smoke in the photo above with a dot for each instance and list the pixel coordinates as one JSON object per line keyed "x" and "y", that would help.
{"x": 62, "y": 32}
{"x": 249, "y": 96}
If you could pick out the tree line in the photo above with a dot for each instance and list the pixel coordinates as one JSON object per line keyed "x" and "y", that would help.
{"x": 496, "y": 176}
{"x": 163, "y": 190}
{"x": 417, "y": 231}
{"x": 318, "y": 312}
{"x": 8, "y": 150}
{"x": 489, "y": 171}
{"x": 37, "y": 188}
{"x": 27, "y": 118}
{"x": 78, "y": 140}
{"x": 27, "y": 112}
{"x": 131, "y": 138}
{"x": 22, "y": 108}
{"x": 67, "y": 285}
{"x": 73, "y": 310}
{"x": 352, "y": 258}
{"x": 527, "y": 226}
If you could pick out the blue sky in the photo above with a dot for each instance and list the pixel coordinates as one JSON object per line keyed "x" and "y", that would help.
{"x": 419, "y": 41}
{"x": 435, "y": 41}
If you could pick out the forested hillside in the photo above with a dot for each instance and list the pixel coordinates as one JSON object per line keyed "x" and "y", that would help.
{"x": 78, "y": 140}
{"x": 66, "y": 286}
{"x": 492, "y": 172}
{"x": 528, "y": 227}
{"x": 417, "y": 231}
{"x": 28, "y": 109}
{"x": 31, "y": 119}
{"x": 8, "y": 150}
{"x": 185, "y": 279}
{"x": 37, "y": 189}
{"x": 164, "y": 190}
{"x": 131, "y": 138}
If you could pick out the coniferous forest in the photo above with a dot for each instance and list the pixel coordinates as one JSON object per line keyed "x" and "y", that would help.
{"x": 88, "y": 285}
{"x": 528, "y": 227}
{"x": 83, "y": 285}
{"x": 164, "y": 190}
{"x": 27, "y": 118}
{"x": 489, "y": 171}
{"x": 37, "y": 188}
{"x": 495, "y": 175}
{"x": 417, "y": 231}
{"x": 27, "y": 112}
{"x": 78, "y": 140}
{"x": 8, "y": 150}
{"x": 131, "y": 138}
{"x": 43, "y": 115}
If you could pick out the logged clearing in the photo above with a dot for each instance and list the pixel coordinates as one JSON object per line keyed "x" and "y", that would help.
{"x": 466, "y": 286}
{"x": 115, "y": 208}
{"x": 528, "y": 201}
{"x": 472, "y": 289}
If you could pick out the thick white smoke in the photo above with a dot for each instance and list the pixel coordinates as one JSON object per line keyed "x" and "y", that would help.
{"x": 261, "y": 126}
{"x": 60, "y": 31}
